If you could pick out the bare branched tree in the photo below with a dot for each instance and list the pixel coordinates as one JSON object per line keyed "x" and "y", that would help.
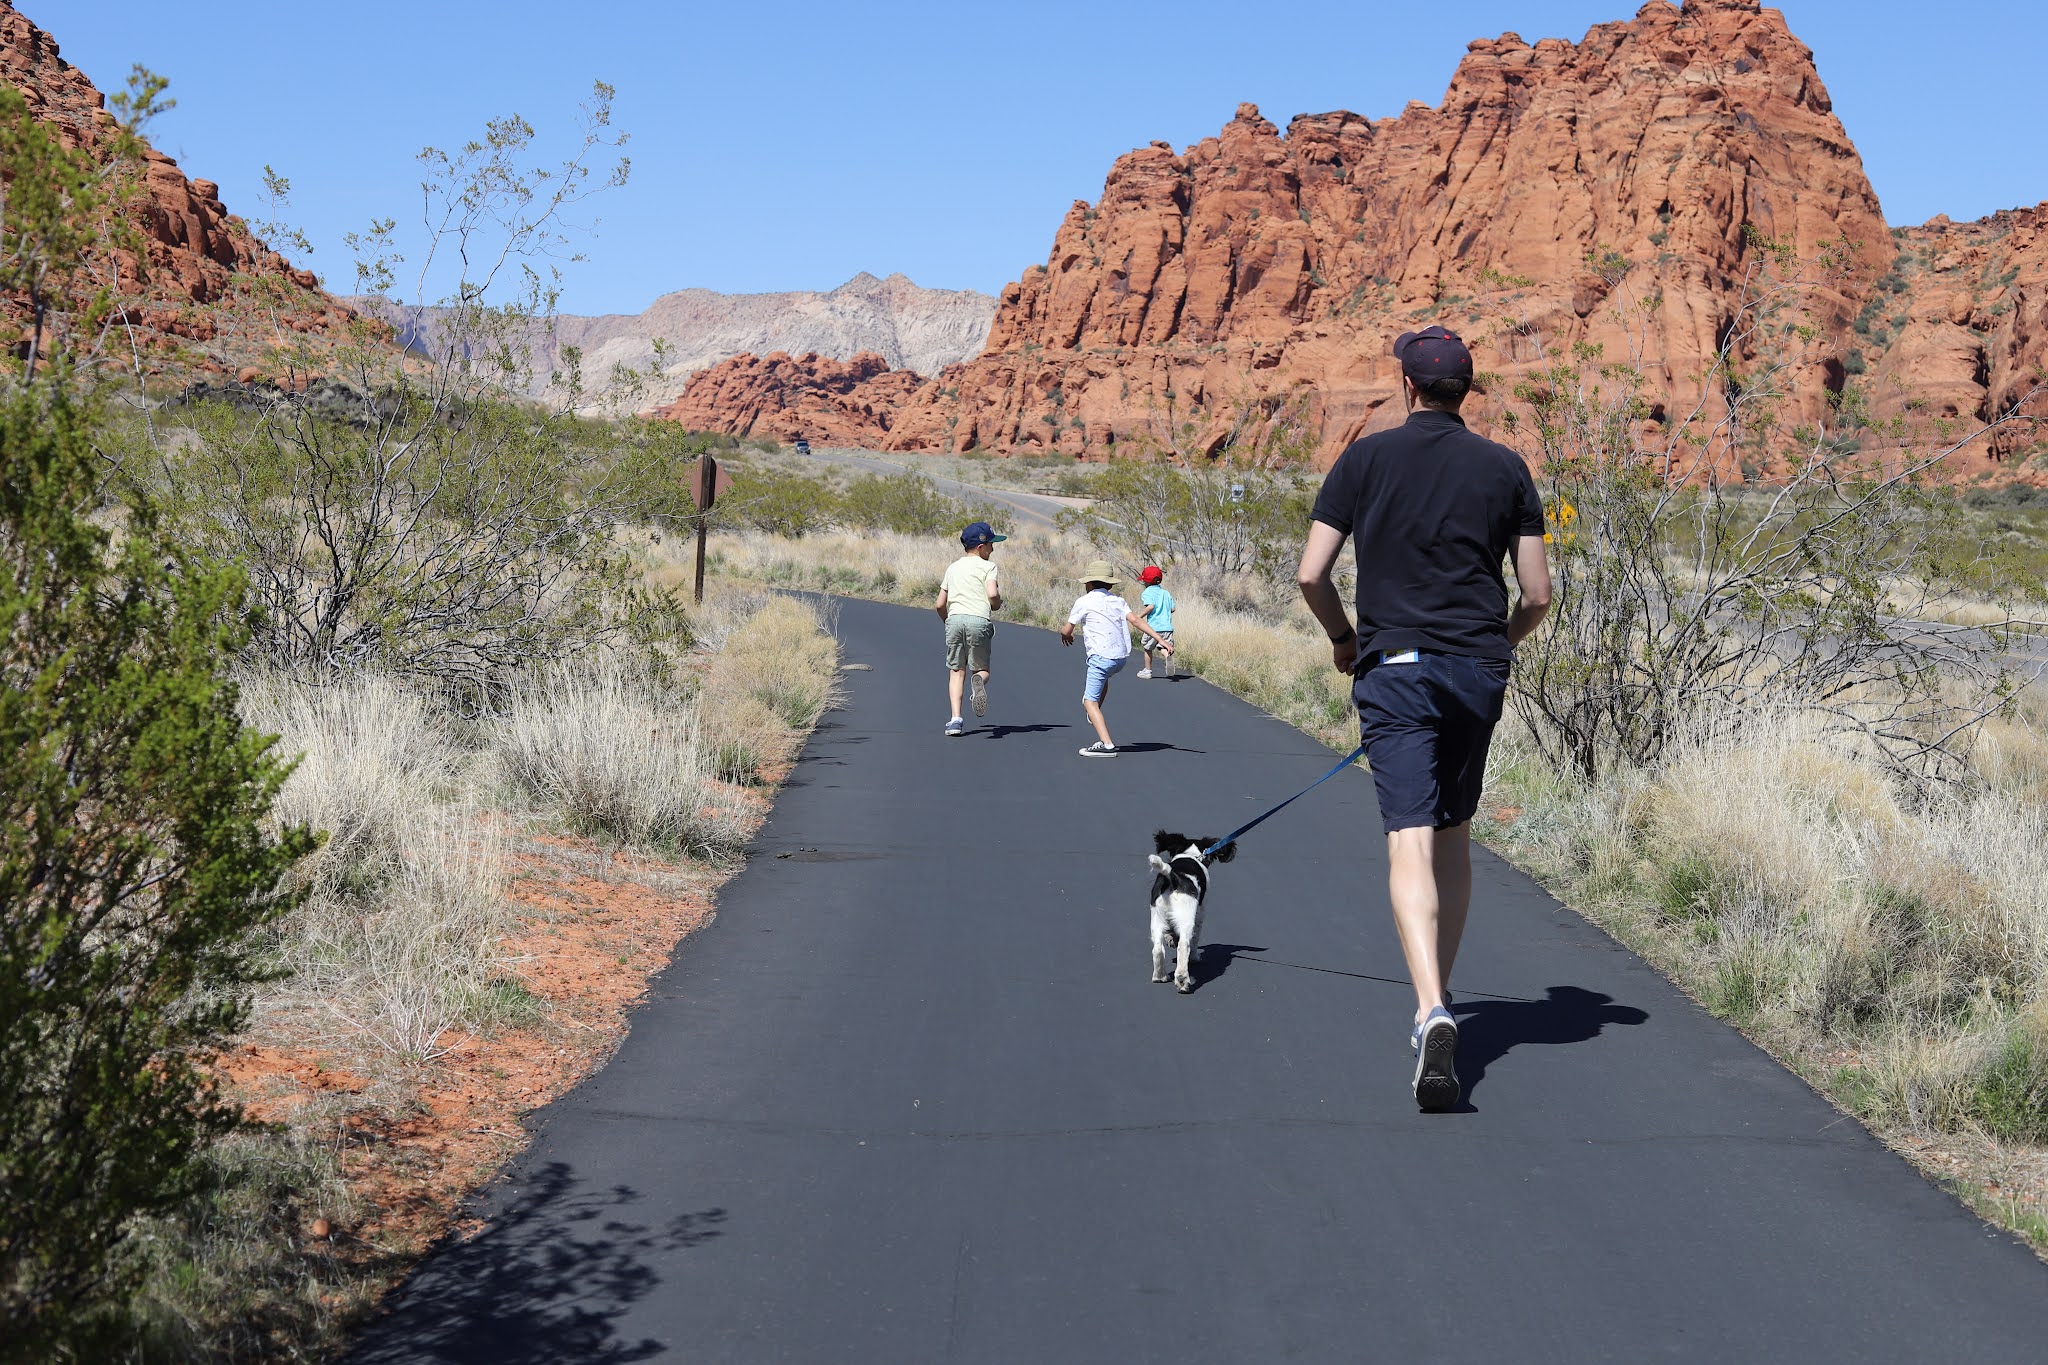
{"x": 395, "y": 504}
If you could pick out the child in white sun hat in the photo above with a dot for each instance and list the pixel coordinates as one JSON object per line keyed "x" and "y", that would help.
{"x": 1106, "y": 622}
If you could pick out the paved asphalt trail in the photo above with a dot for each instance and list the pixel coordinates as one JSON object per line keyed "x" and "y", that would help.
{"x": 912, "y": 1098}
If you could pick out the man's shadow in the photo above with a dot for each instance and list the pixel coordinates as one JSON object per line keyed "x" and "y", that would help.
{"x": 1490, "y": 1029}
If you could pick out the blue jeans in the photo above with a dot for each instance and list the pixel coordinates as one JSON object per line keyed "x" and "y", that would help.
{"x": 1100, "y": 671}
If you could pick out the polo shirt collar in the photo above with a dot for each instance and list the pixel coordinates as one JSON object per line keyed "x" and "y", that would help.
{"x": 1430, "y": 417}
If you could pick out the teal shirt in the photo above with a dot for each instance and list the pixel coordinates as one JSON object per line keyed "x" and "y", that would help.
{"x": 1158, "y": 603}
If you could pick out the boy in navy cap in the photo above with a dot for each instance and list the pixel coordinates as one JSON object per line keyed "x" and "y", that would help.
{"x": 969, "y": 595}
{"x": 1432, "y": 510}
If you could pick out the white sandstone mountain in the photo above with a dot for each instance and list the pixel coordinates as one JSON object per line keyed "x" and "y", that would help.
{"x": 912, "y": 327}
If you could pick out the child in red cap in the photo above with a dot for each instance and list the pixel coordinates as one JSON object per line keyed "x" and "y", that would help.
{"x": 1157, "y": 604}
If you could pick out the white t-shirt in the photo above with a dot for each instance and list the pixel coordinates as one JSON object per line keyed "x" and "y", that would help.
{"x": 1105, "y": 624}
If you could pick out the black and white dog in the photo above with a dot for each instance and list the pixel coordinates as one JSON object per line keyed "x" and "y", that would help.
{"x": 1180, "y": 885}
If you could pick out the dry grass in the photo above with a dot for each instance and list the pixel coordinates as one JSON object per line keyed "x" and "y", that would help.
{"x": 618, "y": 761}
{"x": 1891, "y": 946}
{"x": 370, "y": 754}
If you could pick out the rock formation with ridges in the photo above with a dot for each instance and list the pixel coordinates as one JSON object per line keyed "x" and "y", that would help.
{"x": 1957, "y": 330}
{"x": 790, "y": 396}
{"x": 192, "y": 245}
{"x": 1253, "y": 262}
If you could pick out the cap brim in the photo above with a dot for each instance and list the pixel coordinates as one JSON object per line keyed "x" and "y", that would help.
{"x": 993, "y": 539}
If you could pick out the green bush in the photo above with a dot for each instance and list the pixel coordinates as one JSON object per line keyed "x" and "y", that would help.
{"x": 133, "y": 864}
{"x": 2009, "y": 1097}
{"x": 448, "y": 537}
{"x": 778, "y": 503}
{"x": 908, "y": 504}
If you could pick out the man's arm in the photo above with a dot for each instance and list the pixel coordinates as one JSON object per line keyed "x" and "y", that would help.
{"x": 995, "y": 593}
{"x": 1318, "y": 560}
{"x": 940, "y": 605}
{"x": 1532, "y": 577}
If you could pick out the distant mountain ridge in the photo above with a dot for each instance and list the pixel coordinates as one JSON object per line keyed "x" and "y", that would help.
{"x": 909, "y": 326}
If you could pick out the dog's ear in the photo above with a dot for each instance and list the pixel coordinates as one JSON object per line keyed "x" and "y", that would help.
{"x": 1163, "y": 842}
{"x": 1223, "y": 854}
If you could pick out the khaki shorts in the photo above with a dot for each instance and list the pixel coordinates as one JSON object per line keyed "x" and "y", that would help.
{"x": 967, "y": 642}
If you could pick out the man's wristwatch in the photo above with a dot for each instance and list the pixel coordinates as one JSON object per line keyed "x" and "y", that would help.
{"x": 1350, "y": 633}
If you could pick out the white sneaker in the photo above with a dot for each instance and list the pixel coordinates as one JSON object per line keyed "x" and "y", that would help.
{"x": 980, "y": 695}
{"x": 1099, "y": 750}
{"x": 1144, "y": 672}
{"x": 1436, "y": 1058}
{"x": 955, "y": 728}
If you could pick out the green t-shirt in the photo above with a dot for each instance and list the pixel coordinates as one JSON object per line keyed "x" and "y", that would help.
{"x": 966, "y": 584}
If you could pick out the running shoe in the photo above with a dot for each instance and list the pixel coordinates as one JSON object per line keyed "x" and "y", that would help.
{"x": 1415, "y": 1034}
{"x": 1436, "y": 1056}
{"x": 1099, "y": 750}
{"x": 955, "y": 728}
{"x": 1144, "y": 672}
{"x": 980, "y": 694}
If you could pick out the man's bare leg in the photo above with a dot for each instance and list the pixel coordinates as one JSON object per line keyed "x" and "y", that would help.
{"x": 1452, "y": 861}
{"x": 956, "y": 687}
{"x": 1419, "y": 912}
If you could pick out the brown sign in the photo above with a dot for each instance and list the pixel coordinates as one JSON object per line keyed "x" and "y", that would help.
{"x": 708, "y": 482}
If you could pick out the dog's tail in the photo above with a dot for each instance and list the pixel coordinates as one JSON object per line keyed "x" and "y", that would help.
{"x": 1160, "y": 864}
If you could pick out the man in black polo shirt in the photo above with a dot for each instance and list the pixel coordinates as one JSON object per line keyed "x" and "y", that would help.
{"x": 1433, "y": 510}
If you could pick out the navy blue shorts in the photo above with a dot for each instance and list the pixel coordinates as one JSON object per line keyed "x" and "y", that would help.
{"x": 1426, "y": 727}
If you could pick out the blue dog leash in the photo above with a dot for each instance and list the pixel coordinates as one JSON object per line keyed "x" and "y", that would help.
{"x": 1241, "y": 830}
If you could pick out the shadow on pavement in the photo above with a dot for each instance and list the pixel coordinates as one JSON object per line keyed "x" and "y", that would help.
{"x": 999, "y": 731}
{"x": 1489, "y": 1029}
{"x": 1156, "y": 748}
{"x": 545, "y": 1281}
{"x": 1213, "y": 960}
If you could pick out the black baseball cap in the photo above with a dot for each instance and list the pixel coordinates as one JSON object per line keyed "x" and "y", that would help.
{"x": 980, "y": 533}
{"x": 1433, "y": 353}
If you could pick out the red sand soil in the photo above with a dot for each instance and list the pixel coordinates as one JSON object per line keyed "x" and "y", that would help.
{"x": 417, "y": 1138}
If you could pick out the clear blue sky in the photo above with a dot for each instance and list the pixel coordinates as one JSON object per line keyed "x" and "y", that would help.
{"x": 789, "y": 144}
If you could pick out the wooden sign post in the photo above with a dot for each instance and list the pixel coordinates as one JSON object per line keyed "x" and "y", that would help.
{"x": 706, "y": 483}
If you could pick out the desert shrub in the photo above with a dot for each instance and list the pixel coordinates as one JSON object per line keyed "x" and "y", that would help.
{"x": 403, "y": 967}
{"x": 743, "y": 736}
{"x": 617, "y": 761}
{"x": 443, "y": 535}
{"x": 402, "y": 509}
{"x": 904, "y": 503}
{"x": 778, "y": 502}
{"x": 134, "y": 863}
{"x": 369, "y": 754}
{"x": 784, "y": 659}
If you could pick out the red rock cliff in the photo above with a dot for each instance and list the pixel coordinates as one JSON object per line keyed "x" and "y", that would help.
{"x": 192, "y": 246}
{"x": 1255, "y": 261}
